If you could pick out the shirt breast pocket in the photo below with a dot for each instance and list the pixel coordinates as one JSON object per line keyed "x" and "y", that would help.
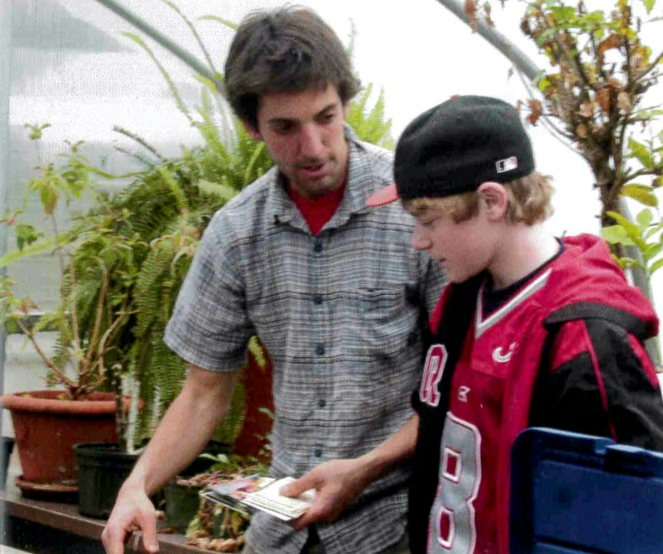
{"x": 384, "y": 320}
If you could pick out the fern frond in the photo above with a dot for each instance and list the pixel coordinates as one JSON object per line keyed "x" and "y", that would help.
{"x": 231, "y": 426}
{"x": 257, "y": 350}
{"x": 222, "y": 190}
{"x": 224, "y": 22}
{"x": 253, "y": 161}
{"x": 175, "y": 189}
{"x": 209, "y": 130}
{"x": 370, "y": 124}
{"x": 194, "y": 32}
{"x": 140, "y": 140}
{"x": 171, "y": 84}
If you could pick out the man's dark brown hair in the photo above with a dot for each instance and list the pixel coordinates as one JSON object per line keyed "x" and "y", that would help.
{"x": 290, "y": 49}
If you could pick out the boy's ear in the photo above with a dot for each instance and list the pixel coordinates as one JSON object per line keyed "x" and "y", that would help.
{"x": 495, "y": 199}
{"x": 251, "y": 130}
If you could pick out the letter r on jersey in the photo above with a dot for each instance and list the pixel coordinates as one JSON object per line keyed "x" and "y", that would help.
{"x": 436, "y": 359}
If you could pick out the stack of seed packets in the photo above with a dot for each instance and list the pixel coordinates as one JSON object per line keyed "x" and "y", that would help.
{"x": 255, "y": 492}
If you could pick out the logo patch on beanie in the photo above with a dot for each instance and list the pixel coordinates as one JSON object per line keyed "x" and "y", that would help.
{"x": 507, "y": 165}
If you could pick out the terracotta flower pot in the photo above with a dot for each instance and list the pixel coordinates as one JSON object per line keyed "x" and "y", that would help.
{"x": 47, "y": 427}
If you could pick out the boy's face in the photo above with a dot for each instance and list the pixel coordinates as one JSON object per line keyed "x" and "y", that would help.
{"x": 303, "y": 132}
{"x": 462, "y": 249}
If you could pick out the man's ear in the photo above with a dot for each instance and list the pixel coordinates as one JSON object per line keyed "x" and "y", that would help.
{"x": 251, "y": 130}
{"x": 495, "y": 199}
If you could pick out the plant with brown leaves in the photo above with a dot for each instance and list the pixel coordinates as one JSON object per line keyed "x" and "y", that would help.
{"x": 601, "y": 94}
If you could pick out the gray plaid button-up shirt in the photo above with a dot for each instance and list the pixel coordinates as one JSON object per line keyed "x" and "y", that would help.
{"x": 340, "y": 315}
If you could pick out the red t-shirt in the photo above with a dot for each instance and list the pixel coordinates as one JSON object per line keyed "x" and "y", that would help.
{"x": 317, "y": 211}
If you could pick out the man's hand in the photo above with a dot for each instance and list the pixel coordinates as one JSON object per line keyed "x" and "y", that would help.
{"x": 337, "y": 483}
{"x": 133, "y": 511}
{"x": 182, "y": 433}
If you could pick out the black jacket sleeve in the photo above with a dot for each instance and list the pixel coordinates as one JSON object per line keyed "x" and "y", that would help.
{"x": 606, "y": 387}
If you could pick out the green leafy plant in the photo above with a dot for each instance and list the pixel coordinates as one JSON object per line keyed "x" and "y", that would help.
{"x": 644, "y": 233}
{"x": 370, "y": 124}
{"x": 87, "y": 320}
{"x": 177, "y": 199}
{"x": 97, "y": 271}
{"x": 597, "y": 92}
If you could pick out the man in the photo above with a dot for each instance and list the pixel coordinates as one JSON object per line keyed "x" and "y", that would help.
{"x": 532, "y": 330}
{"x": 332, "y": 288}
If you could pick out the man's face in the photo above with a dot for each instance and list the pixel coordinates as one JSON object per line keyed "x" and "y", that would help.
{"x": 303, "y": 132}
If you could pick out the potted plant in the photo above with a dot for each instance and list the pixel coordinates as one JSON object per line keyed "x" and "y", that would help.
{"x": 181, "y": 495}
{"x": 208, "y": 525}
{"x": 79, "y": 404}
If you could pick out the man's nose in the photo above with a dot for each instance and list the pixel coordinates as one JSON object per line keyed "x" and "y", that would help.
{"x": 310, "y": 142}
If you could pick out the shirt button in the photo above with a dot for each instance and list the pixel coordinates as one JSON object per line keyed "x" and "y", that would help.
{"x": 318, "y": 452}
{"x": 322, "y": 403}
{"x": 320, "y": 349}
{"x": 317, "y": 299}
{"x": 317, "y": 247}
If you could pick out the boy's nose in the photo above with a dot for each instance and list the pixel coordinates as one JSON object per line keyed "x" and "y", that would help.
{"x": 420, "y": 240}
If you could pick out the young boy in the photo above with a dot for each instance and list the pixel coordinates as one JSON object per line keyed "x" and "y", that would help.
{"x": 532, "y": 330}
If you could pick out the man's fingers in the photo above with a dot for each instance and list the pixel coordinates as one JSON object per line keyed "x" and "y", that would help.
{"x": 300, "y": 486}
{"x": 312, "y": 515}
{"x": 301, "y": 522}
{"x": 148, "y": 524}
{"x": 113, "y": 540}
{"x": 322, "y": 510}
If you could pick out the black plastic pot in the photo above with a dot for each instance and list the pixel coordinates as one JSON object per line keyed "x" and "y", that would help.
{"x": 102, "y": 468}
{"x": 182, "y": 503}
{"x": 5, "y": 455}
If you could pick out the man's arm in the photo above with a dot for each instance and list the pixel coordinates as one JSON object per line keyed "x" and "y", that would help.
{"x": 182, "y": 433}
{"x": 339, "y": 482}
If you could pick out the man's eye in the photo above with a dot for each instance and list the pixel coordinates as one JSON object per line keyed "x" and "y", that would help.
{"x": 283, "y": 128}
{"x": 327, "y": 117}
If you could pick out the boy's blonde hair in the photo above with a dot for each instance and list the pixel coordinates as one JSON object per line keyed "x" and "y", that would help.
{"x": 529, "y": 201}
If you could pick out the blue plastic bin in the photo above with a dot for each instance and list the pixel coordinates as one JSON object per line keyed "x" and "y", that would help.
{"x": 573, "y": 493}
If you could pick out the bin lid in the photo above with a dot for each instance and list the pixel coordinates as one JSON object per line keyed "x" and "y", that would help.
{"x": 573, "y": 493}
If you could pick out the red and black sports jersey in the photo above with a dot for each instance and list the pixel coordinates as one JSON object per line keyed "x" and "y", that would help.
{"x": 564, "y": 351}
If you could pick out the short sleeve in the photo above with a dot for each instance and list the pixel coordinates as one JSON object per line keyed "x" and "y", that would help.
{"x": 209, "y": 327}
